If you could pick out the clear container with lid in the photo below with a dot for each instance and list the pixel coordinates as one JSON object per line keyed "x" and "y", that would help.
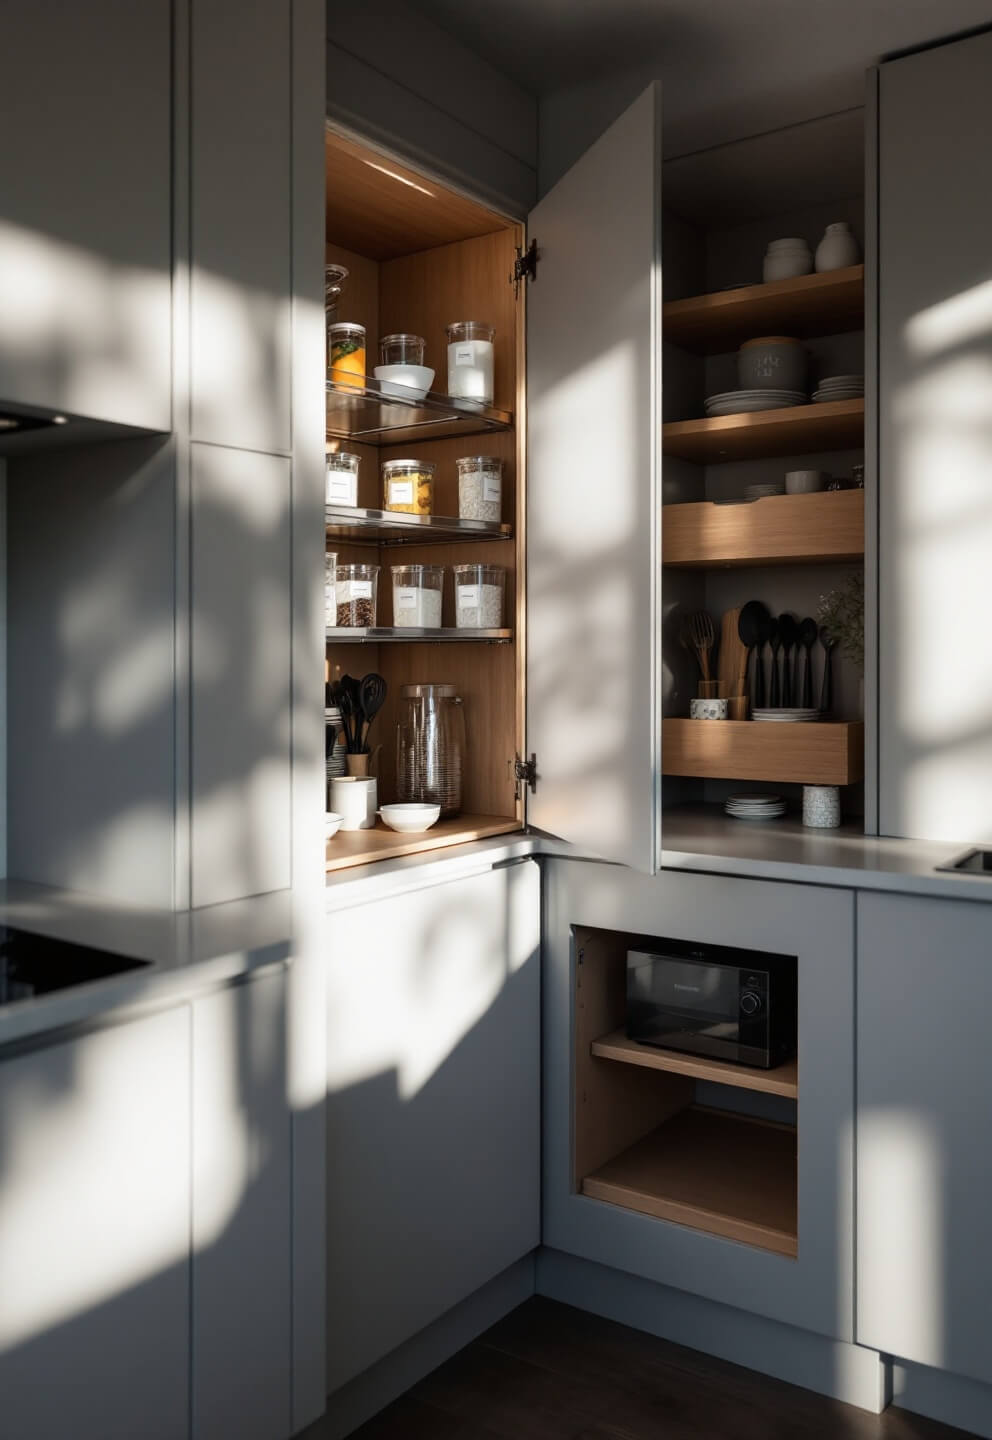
{"x": 470, "y": 360}
{"x": 408, "y": 486}
{"x": 480, "y": 488}
{"x": 356, "y": 593}
{"x": 341, "y": 486}
{"x": 402, "y": 350}
{"x": 479, "y": 596}
{"x": 417, "y": 592}
{"x": 346, "y": 343}
{"x": 330, "y": 587}
{"x": 430, "y": 747}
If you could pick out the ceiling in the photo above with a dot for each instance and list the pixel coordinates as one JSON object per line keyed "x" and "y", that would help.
{"x": 730, "y": 68}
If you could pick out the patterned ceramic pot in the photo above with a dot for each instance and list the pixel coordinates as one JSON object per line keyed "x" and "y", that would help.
{"x": 708, "y": 709}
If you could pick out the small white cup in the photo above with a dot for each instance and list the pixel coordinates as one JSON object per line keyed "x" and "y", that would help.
{"x": 708, "y": 709}
{"x": 356, "y": 799}
{"x": 804, "y": 482}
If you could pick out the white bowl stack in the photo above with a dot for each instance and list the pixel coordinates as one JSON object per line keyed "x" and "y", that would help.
{"x": 336, "y": 763}
{"x": 839, "y": 387}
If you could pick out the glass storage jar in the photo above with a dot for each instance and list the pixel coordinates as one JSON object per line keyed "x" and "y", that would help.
{"x": 402, "y": 350}
{"x": 470, "y": 360}
{"x": 341, "y": 486}
{"x": 480, "y": 488}
{"x": 334, "y": 278}
{"x": 347, "y": 346}
{"x": 330, "y": 587}
{"x": 408, "y": 486}
{"x": 479, "y": 596}
{"x": 356, "y": 593}
{"x": 417, "y": 591}
{"x": 430, "y": 747}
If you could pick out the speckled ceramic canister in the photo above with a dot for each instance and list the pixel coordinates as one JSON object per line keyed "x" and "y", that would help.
{"x": 821, "y": 807}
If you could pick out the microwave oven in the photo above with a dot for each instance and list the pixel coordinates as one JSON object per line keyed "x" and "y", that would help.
{"x": 715, "y": 1001}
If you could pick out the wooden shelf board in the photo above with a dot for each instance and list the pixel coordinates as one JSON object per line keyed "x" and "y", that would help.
{"x": 726, "y": 1174}
{"x": 798, "y": 430}
{"x": 776, "y": 530}
{"x": 783, "y": 1080}
{"x": 819, "y": 753}
{"x": 360, "y": 847}
{"x": 828, "y": 304}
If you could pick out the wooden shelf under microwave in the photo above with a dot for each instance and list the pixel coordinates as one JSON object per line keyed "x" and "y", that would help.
{"x": 782, "y": 1080}
{"x": 798, "y": 430}
{"x": 775, "y": 530}
{"x": 817, "y": 753}
{"x": 827, "y": 304}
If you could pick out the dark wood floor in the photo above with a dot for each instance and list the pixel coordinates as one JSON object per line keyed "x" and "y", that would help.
{"x": 548, "y": 1372}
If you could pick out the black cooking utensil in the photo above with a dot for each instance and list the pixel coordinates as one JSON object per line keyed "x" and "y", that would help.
{"x": 372, "y": 697}
{"x": 774, "y": 640}
{"x": 826, "y": 684}
{"x": 351, "y": 714}
{"x": 788, "y": 633}
{"x": 807, "y": 639}
{"x": 751, "y": 625}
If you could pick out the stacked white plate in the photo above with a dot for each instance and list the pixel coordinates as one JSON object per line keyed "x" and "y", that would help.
{"x": 755, "y": 807}
{"x": 336, "y": 765}
{"x": 791, "y": 714}
{"x": 759, "y": 492}
{"x": 740, "y": 402}
{"x": 840, "y": 387}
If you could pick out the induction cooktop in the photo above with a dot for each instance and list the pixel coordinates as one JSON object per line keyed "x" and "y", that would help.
{"x": 36, "y": 964}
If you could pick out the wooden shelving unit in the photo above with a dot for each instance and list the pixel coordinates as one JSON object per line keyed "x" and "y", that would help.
{"x": 361, "y": 847}
{"x": 783, "y": 1080}
{"x": 726, "y": 1174}
{"x": 799, "y": 430}
{"x": 819, "y": 753}
{"x": 828, "y": 304}
{"x": 776, "y": 530}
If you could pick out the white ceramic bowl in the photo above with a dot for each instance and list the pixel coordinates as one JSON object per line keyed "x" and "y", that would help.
{"x": 804, "y": 482}
{"x": 708, "y": 709}
{"x": 410, "y": 819}
{"x": 332, "y": 823}
{"x": 409, "y": 382}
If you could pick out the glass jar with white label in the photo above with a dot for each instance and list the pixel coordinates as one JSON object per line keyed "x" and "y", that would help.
{"x": 408, "y": 486}
{"x": 356, "y": 593}
{"x": 417, "y": 591}
{"x": 479, "y": 596}
{"x": 330, "y": 587}
{"x": 341, "y": 486}
{"x": 480, "y": 488}
{"x": 470, "y": 361}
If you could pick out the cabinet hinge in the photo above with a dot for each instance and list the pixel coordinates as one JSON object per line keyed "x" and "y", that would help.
{"x": 525, "y": 266}
{"x": 525, "y": 773}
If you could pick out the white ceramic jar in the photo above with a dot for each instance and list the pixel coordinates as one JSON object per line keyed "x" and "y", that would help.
{"x": 838, "y": 248}
{"x": 786, "y": 259}
{"x": 355, "y": 799}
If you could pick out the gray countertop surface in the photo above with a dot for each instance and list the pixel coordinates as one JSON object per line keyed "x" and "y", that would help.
{"x": 193, "y": 950}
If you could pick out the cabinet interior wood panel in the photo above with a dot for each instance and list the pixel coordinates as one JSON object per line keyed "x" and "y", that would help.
{"x": 242, "y": 674}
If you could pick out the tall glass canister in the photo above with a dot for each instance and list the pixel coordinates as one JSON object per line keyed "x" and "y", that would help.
{"x": 430, "y": 747}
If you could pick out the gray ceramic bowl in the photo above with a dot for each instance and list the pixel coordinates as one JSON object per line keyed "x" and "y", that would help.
{"x": 772, "y": 363}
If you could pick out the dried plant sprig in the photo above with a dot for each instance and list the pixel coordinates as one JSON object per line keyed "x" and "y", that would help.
{"x": 841, "y": 612}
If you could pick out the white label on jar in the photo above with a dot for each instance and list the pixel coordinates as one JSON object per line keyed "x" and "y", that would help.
{"x": 349, "y": 590}
{"x": 464, "y": 354}
{"x": 468, "y": 595}
{"x": 340, "y": 488}
{"x": 406, "y": 599}
{"x": 401, "y": 492}
{"x": 492, "y": 489}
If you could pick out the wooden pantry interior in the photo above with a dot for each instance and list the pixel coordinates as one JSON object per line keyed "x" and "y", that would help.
{"x": 420, "y": 257}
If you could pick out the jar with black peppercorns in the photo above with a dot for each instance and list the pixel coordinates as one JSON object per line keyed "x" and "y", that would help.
{"x": 356, "y": 593}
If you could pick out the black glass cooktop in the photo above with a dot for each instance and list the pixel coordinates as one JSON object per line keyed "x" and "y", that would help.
{"x": 35, "y": 964}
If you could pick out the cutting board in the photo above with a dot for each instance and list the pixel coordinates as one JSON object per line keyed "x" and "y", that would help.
{"x": 732, "y": 664}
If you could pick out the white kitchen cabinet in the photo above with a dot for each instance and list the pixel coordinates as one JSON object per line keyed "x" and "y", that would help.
{"x": 94, "y": 1235}
{"x": 924, "y": 1114}
{"x": 433, "y": 1105}
{"x": 86, "y": 231}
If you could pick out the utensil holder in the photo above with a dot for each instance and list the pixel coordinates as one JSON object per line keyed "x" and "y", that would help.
{"x": 708, "y": 690}
{"x": 355, "y": 798}
{"x": 737, "y": 707}
{"x": 358, "y": 766}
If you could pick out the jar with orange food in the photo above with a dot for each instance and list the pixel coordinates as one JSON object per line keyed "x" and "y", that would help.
{"x": 346, "y": 343}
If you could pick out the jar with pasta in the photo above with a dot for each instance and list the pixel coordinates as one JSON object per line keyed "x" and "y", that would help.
{"x": 346, "y": 342}
{"x": 408, "y": 486}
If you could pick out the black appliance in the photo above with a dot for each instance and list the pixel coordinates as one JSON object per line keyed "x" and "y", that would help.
{"x": 712, "y": 1000}
{"x": 36, "y": 964}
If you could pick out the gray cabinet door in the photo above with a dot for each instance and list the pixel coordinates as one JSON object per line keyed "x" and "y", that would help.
{"x": 924, "y": 1119}
{"x": 94, "y": 1235}
{"x": 594, "y": 497}
{"x": 935, "y": 444}
{"x": 433, "y": 1105}
{"x": 85, "y": 233}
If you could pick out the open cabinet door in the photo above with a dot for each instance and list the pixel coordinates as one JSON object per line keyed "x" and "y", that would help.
{"x": 594, "y": 497}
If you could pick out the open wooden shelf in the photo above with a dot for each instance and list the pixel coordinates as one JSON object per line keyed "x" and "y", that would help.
{"x": 819, "y": 753}
{"x": 799, "y": 430}
{"x": 783, "y": 1080}
{"x": 726, "y": 1174}
{"x": 776, "y": 530}
{"x": 360, "y": 847}
{"x": 828, "y": 304}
